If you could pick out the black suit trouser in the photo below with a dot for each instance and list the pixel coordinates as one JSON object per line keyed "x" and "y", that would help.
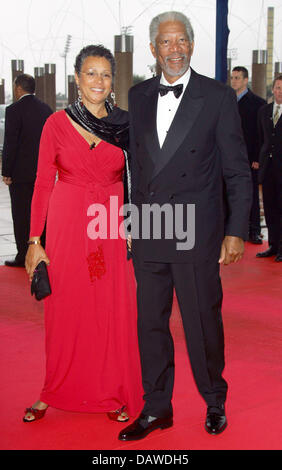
{"x": 21, "y": 197}
{"x": 199, "y": 294}
{"x": 254, "y": 221}
{"x": 272, "y": 203}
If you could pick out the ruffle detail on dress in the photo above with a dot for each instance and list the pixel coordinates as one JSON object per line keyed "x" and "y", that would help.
{"x": 96, "y": 264}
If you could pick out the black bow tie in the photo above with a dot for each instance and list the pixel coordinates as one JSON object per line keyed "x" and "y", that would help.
{"x": 177, "y": 90}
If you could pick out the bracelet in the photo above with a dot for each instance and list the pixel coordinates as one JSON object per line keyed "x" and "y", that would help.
{"x": 34, "y": 242}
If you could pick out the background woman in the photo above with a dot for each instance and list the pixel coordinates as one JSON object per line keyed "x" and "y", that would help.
{"x": 90, "y": 318}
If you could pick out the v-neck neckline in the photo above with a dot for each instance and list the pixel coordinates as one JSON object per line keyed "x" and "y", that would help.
{"x": 79, "y": 134}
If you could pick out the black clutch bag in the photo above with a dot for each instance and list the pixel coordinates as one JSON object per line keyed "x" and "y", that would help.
{"x": 40, "y": 285}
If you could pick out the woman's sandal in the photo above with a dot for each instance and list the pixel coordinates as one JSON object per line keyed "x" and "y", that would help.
{"x": 119, "y": 415}
{"x": 37, "y": 414}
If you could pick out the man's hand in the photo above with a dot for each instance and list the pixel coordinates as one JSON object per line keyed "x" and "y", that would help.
{"x": 7, "y": 180}
{"x": 232, "y": 250}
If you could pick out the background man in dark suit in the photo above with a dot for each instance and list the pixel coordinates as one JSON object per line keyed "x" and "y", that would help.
{"x": 249, "y": 104}
{"x": 270, "y": 173}
{"x": 24, "y": 122}
{"x": 186, "y": 144}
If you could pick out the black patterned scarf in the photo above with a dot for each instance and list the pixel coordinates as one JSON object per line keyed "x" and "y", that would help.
{"x": 113, "y": 128}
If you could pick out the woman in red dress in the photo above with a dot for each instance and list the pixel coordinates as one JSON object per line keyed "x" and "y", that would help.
{"x": 92, "y": 357}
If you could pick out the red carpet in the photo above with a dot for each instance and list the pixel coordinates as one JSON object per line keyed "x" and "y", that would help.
{"x": 253, "y": 330}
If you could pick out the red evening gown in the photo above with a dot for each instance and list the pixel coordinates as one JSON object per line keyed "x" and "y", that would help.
{"x": 92, "y": 357}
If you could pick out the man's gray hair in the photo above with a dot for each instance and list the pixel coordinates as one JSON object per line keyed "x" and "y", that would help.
{"x": 170, "y": 16}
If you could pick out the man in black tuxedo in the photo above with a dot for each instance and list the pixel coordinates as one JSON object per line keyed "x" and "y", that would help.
{"x": 187, "y": 149}
{"x": 24, "y": 122}
{"x": 249, "y": 104}
{"x": 270, "y": 173}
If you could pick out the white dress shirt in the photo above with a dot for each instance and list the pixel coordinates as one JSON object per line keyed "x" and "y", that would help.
{"x": 26, "y": 94}
{"x": 168, "y": 104}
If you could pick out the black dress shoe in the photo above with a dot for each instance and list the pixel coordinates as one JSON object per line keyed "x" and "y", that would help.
{"x": 15, "y": 264}
{"x": 267, "y": 253}
{"x": 255, "y": 239}
{"x": 143, "y": 425}
{"x": 216, "y": 420}
{"x": 278, "y": 258}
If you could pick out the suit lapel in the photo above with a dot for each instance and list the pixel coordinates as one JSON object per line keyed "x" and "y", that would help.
{"x": 186, "y": 115}
{"x": 279, "y": 122}
{"x": 149, "y": 116}
{"x": 269, "y": 117}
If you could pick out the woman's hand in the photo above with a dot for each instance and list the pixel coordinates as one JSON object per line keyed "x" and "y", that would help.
{"x": 35, "y": 254}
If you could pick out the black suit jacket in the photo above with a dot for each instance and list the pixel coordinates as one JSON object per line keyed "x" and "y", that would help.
{"x": 24, "y": 122}
{"x": 203, "y": 153}
{"x": 271, "y": 140}
{"x": 248, "y": 107}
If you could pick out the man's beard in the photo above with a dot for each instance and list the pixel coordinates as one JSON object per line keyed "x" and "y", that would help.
{"x": 175, "y": 73}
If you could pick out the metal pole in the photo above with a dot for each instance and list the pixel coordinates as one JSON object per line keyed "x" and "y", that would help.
{"x": 72, "y": 89}
{"x": 66, "y": 76}
{"x": 64, "y": 55}
{"x": 277, "y": 69}
{"x": 39, "y": 82}
{"x": 222, "y": 33}
{"x": 2, "y": 91}
{"x": 17, "y": 69}
{"x": 50, "y": 85}
{"x": 259, "y": 68}
{"x": 270, "y": 34}
{"x": 124, "y": 72}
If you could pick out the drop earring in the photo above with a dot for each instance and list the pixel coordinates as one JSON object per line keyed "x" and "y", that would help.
{"x": 111, "y": 101}
{"x": 113, "y": 96}
{"x": 79, "y": 95}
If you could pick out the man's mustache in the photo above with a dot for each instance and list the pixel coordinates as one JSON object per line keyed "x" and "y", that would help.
{"x": 176, "y": 56}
